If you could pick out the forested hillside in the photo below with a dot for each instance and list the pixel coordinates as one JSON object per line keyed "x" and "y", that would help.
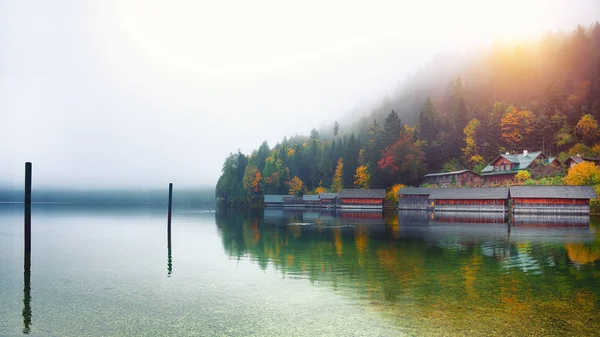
{"x": 459, "y": 112}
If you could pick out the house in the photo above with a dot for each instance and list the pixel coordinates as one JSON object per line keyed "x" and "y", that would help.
{"x": 572, "y": 161}
{"x": 311, "y": 200}
{"x": 458, "y": 178}
{"x": 272, "y": 200}
{"x": 366, "y": 198}
{"x": 552, "y": 199}
{"x": 328, "y": 199}
{"x": 482, "y": 199}
{"x": 414, "y": 198}
{"x": 505, "y": 166}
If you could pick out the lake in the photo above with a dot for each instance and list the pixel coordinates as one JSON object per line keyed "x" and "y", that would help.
{"x": 107, "y": 270}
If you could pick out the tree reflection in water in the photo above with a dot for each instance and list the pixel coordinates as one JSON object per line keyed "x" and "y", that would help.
{"x": 435, "y": 273}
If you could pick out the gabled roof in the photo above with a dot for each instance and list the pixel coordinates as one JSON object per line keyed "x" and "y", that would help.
{"x": 553, "y": 192}
{"x": 362, "y": 194}
{"x": 310, "y": 197}
{"x": 328, "y": 195}
{"x": 447, "y": 173}
{"x": 274, "y": 198}
{"x": 522, "y": 162}
{"x": 479, "y": 193}
{"x": 582, "y": 159}
{"x": 415, "y": 191}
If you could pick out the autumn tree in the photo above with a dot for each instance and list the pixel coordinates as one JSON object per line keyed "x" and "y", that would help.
{"x": 588, "y": 127}
{"x": 515, "y": 126}
{"x": 252, "y": 179}
{"x": 391, "y": 196}
{"x": 337, "y": 178}
{"x": 471, "y": 150}
{"x": 403, "y": 160}
{"x": 362, "y": 177}
{"x": 319, "y": 189}
{"x": 522, "y": 175}
{"x": 584, "y": 173}
{"x": 296, "y": 187}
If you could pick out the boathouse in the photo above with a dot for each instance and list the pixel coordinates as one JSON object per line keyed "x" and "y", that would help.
{"x": 551, "y": 199}
{"x": 367, "y": 198}
{"x": 414, "y": 198}
{"x": 311, "y": 200}
{"x": 454, "y": 178}
{"x": 328, "y": 199}
{"x": 480, "y": 199}
{"x": 292, "y": 201}
{"x": 272, "y": 200}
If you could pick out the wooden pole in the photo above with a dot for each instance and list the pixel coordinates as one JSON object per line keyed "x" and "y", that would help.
{"x": 28, "y": 207}
{"x": 169, "y": 256}
{"x": 27, "y": 255}
{"x": 170, "y": 207}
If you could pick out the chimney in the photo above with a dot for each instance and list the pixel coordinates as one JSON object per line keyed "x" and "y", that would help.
{"x": 507, "y": 153}
{"x": 579, "y": 155}
{"x": 525, "y": 152}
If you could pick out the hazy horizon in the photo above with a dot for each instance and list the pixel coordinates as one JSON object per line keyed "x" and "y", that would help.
{"x": 137, "y": 94}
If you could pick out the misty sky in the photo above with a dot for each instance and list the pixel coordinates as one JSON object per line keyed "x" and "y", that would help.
{"x": 141, "y": 93}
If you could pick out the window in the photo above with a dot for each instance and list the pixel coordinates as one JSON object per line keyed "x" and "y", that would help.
{"x": 507, "y": 167}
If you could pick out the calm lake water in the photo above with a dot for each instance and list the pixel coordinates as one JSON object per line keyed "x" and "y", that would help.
{"x": 107, "y": 270}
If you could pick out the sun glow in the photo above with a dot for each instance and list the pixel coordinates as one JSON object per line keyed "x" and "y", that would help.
{"x": 213, "y": 43}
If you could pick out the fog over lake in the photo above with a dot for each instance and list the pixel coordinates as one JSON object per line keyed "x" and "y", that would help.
{"x": 140, "y": 93}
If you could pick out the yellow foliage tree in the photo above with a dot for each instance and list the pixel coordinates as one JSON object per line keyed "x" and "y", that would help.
{"x": 391, "y": 196}
{"x": 471, "y": 149}
{"x": 362, "y": 177}
{"x": 584, "y": 173}
{"x": 320, "y": 189}
{"x": 336, "y": 185}
{"x": 522, "y": 175}
{"x": 296, "y": 186}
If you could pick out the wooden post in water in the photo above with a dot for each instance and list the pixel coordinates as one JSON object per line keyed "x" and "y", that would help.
{"x": 27, "y": 253}
{"x": 170, "y": 207}
{"x": 28, "y": 207}
{"x": 169, "y": 258}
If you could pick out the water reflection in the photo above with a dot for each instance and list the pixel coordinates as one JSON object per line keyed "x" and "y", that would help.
{"x": 169, "y": 255}
{"x": 435, "y": 273}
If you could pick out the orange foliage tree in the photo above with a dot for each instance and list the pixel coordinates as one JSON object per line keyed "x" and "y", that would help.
{"x": 404, "y": 159}
{"x": 588, "y": 126}
{"x": 515, "y": 126}
{"x": 252, "y": 179}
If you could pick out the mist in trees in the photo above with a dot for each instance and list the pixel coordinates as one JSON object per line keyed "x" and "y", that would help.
{"x": 536, "y": 96}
